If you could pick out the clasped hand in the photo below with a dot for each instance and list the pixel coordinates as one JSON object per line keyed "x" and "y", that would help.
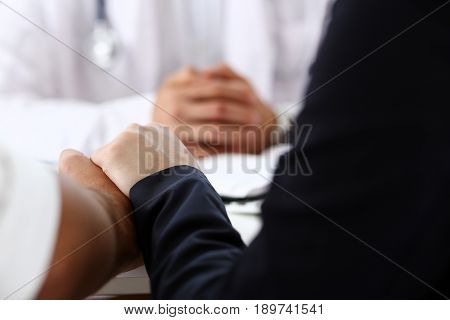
{"x": 114, "y": 169}
{"x": 214, "y": 111}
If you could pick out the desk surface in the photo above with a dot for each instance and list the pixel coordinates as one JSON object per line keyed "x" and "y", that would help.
{"x": 136, "y": 283}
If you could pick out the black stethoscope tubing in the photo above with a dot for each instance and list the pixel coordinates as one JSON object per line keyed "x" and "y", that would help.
{"x": 243, "y": 200}
{"x": 101, "y": 11}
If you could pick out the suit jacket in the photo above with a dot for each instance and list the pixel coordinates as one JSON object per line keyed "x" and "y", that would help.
{"x": 373, "y": 218}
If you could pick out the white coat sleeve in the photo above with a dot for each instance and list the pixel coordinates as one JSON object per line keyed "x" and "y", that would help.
{"x": 30, "y": 116}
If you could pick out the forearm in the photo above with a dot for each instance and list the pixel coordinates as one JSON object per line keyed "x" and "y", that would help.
{"x": 87, "y": 251}
{"x": 188, "y": 242}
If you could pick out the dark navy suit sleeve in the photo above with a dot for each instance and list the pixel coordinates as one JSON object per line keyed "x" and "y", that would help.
{"x": 187, "y": 240}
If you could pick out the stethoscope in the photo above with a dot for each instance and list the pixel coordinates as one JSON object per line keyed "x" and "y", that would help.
{"x": 103, "y": 47}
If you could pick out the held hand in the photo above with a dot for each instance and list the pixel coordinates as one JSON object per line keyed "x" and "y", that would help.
{"x": 139, "y": 152}
{"x": 83, "y": 171}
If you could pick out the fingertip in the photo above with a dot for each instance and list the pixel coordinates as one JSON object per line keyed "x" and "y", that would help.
{"x": 95, "y": 158}
{"x": 69, "y": 153}
{"x": 132, "y": 127}
{"x": 68, "y": 157}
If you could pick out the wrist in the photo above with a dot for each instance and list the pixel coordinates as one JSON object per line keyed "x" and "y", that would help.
{"x": 120, "y": 222}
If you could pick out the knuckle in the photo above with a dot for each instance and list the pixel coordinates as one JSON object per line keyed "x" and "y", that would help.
{"x": 68, "y": 160}
{"x": 220, "y": 110}
{"x": 133, "y": 127}
{"x": 177, "y": 112}
{"x": 97, "y": 156}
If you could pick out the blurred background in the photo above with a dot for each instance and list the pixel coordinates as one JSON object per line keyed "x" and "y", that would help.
{"x": 75, "y": 73}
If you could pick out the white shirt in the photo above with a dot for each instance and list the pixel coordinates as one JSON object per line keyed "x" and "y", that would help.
{"x": 51, "y": 98}
{"x": 29, "y": 222}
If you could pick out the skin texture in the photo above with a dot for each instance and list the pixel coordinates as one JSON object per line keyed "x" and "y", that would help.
{"x": 213, "y": 111}
{"x": 139, "y": 152}
{"x": 96, "y": 239}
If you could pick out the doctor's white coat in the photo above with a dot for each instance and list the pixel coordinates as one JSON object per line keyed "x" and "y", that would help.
{"x": 52, "y": 97}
